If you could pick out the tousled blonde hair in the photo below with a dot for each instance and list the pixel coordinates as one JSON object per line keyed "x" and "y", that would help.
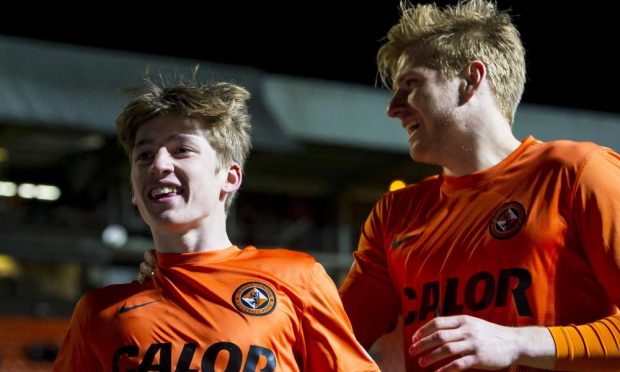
{"x": 451, "y": 37}
{"x": 220, "y": 107}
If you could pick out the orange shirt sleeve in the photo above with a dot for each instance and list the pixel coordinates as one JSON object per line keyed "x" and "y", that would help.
{"x": 367, "y": 292}
{"x": 596, "y": 213}
{"x": 596, "y": 206}
{"x": 591, "y": 347}
{"x": 329, "y": 341}
{"x": 74, "y": 354}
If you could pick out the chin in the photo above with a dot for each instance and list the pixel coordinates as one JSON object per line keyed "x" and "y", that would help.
{"x": 416, "y": 154}
{"x": 162, "y": 220}
{"x": 421, "y": 155}
{"x": 171, "y": 227}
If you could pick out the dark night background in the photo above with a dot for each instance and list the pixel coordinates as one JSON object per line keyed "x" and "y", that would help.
{"x": 570, "y": 49}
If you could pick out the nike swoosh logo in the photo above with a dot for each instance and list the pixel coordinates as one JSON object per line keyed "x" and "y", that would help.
{"x": 398, "y": 242}
{"x": 125, "y": 309}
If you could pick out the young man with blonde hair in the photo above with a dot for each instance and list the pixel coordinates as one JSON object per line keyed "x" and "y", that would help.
{"x": 211, "y": 306}
{"x": 511, "y": 257}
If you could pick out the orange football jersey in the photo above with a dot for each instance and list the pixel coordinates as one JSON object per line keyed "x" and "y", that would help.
{"x": 534, "y": 240}
{"x": 230, "y": 310}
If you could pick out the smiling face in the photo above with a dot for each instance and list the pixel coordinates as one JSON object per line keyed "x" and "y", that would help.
{"x": 426, "y": 104}
{"x": 177, "y": 179}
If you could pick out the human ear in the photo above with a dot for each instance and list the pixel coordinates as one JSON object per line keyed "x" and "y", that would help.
{"x": 472, "y": 77}
{"x": 233, "y": 178}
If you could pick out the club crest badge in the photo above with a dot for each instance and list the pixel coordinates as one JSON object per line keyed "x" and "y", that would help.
{"x": 254, "y": 298}
{"x": 507, "y": 220}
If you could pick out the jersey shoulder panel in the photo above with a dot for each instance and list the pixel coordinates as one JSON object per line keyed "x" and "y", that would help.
{"x": 288, "y": 266}
{"x": 407, "y": 202}
{"x": 110, "y": 297}
{"x": 293, "y": 260}
{"x": 418, "y": 188}
{"x": 565, "y": 153}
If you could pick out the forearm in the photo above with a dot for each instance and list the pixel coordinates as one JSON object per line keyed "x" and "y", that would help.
{"x": 593, "y": 346}
{"x": 537, "y": 348}
{"x": 588, "y": 347}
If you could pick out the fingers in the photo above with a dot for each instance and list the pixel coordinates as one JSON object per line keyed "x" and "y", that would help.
{"x": 146, "y": 271}
{"x": 449, "y": 350}
{"x": 147, "y": 267}
{"x": 149, "y": 257}
{"x": 440, "y": 323}
{"x": 436, "y": 340}
{"x": 439, "y": 339}
{"x": 462, "y": 342}
{"x": 460, "y": 364}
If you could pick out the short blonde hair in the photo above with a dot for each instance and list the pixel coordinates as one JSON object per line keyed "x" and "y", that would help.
{"x": 220, "y": 107}
{"x": 456, "y": 35}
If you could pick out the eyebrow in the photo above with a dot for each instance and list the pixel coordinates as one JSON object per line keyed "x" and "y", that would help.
{"x": 399, "y": 78}
{"x": 174, "y": 136}
{"x": 413, "y": 72}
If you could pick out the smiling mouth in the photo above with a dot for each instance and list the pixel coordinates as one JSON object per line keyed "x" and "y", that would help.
{"x": 163, "y": 192}
{"x": 412, "y": 128}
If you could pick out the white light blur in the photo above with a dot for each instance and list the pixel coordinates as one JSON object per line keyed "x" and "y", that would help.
{"x": 8, "y": 189}
{"x": 48, "y": 192}
{"x": 114, "y": 236}
{"x": 27, "y": 190}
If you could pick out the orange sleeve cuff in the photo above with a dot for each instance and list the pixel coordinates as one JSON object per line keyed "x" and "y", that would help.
{"x": 592, "y": 346}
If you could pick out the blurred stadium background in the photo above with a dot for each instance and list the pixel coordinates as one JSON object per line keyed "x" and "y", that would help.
{"x": 324, "y": 152}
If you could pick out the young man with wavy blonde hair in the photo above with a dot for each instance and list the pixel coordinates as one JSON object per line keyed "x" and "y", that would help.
{"x": 510, "y": 258}
{"x": 211, "y": 306}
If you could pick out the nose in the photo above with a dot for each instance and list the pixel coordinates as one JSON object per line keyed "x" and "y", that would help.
{"x": 162, "y": 162}
{"x": 398, "y": 105}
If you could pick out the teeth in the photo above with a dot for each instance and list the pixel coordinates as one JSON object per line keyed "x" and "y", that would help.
{"x": 163, "y": 190}
{"x": 411, "y": 127}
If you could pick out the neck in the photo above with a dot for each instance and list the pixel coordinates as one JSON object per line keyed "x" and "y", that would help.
{"x": 206, "y": 236}
{"x": 478, "y": 150}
